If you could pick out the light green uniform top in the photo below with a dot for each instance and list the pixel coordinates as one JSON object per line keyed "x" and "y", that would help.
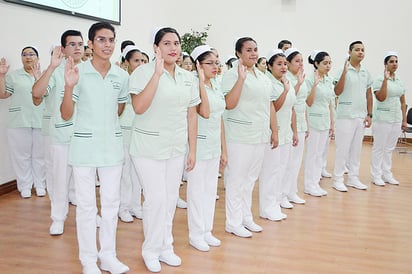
{"x": 352, "y": 101}
{"x": 209, "y": 130}
{"x": 97, "y": 139}
{"x": 161, "y": 132}
{"x": 60, "y": 130}
{"x": 249, "y": 121}
{"x": 388, "y": 111}
{"x": 22, "y": 111}
{"x": 319, "y": 112}
{"x": 126, "y": 121}
{"x": 284, "y": 114}
{"x": 300, "y": 103}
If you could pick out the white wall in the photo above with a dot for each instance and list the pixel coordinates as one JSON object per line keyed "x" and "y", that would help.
{"x": 316, "y": 24}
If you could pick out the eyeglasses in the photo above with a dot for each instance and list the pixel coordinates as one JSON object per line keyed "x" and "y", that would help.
{"x": 217, "y": 63}
{"x": 74, "y": 44}
{"x": 29, "y": 55}
{"x": 104, "y": 40}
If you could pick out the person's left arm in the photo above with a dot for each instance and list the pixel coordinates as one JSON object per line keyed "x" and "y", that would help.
{"x": 192, "y": 136}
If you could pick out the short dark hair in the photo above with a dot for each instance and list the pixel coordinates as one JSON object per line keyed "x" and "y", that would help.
{"x": 284, "y": 42}
{"x": 126, "y": 43}
{"x": 98, "y": 26}
{"x": 352, "y": 45}
{"x": 67, "y": 33}
{"x": 240, "y": 42}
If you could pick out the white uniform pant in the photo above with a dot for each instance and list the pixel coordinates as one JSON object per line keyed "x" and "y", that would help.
{"x": 130, "y": 188}
{"x": 160, "y": 181}
{"x": 26, "y": 146}
{"x": 48, "y": 163}
{"x": 242, "y": 170}
{"x": 269, "y": 182}
{"x": 201, "y": 197}
{"x": 325, "y": 153}
{"x": 294, "y": 164}
{"x": 385, "y": 137}
{"x": 315, "y": 145}
{"x": 348, "y": 142}
{"x": 86, "y": 211}
{"x": 61, "y": 177}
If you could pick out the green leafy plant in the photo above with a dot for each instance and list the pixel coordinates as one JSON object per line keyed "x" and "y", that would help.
{"x": 192, "y": 39}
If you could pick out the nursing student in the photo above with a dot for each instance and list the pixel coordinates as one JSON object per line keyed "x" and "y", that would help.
{"x": 51, "y": 86}
{"x": 389, "y": 118}
{"x": 320, "y": 120}
{"x": 26, "y": 144}
{"x": 130, "y": 188}
{"x": 99, "y": 91}
{"x": 353, "y": 86}
{"x": 210, "y": 152}
{"x": 296, "y": 76}
{"x": 272, "y": 183}
{"x": 164, "y": 98}
{"x": 249, "y": 118}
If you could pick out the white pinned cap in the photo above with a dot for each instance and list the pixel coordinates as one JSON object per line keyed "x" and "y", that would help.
{"x": 128, "y": 49}
{"x": 289, "y": 51}
{"x": 314, "y": 54}
{"x": 273, "y": 52}
{"x": 391, "y": 53}
{"x": 199, "y": 50}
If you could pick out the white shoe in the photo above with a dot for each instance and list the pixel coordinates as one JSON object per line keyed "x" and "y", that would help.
{"x": 326, "y": 174}
{"x": 200, "y": 245}
{"x": 125, "y": 216}
{"x": 239, "y": 231}
{"x": 313, "y": 192}
{"x": 294, "y": 198}
{"x": 56, "y": 228}
{"x": 339, "y": 186}
{"x": 137, "y": 212}
{"x": 322, "y": 191}
{"x": 212, "y": 240}
{"x": 25, "y": 193}
{"x": 285, "y": 203}
{"x": 113, "y": 265}
{"x": 355, "y": 183}
{"x": 153, "y": 265}
{"x": 378, "y": 182}
{"x": 217, "y": 197}
{"x": 392, "y": 181}
{"x": 72, "y": 199}
{"x": 181, "y": 203}
{"x": 170, "y": 258}
{"x": 91, "y": 269}
{"x": 252, "y": 226}
{"x": 274, "y": 217}
{"x": 98, "y": 220}
{"x": 40, "y": 192}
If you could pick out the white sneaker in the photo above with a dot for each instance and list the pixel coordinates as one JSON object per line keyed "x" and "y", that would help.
{"x": 181, "y": 203}
{"x": 392, "y": 181}
{"x": 252, "y": 226}
{"x": 313, "y": 192}
{"x": 98, "y": 220}
{"x": 56, "y": 228}
{"x": 170, "y": 258}
{"x": 239, "y": 231}
{"x": 153, "y": 265}
{"x": 217, "y": 197}
{"x": 285, "y": 203}
{"x": 355, "y": 183}
{"x": 212, "y": 240}
{"x": 91, "y": 268}
{"x": 326, "y": 174}
{"x": 274, "y": 217}
{"x": 125, "y": 216}
{"x": 113, "y": 265}
{"x": 378, "y": 182}
{"x": 25, "y": 193}
{"x": 339, "y": 186}
{"x": 200, "y": 245}
{"x": 40, "y": 192}
{"x": 294, "y": 198}
{"x": 137, "y": 212}
{"x": 322, "y": 191}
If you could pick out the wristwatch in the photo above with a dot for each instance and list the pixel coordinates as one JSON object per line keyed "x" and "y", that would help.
{"x": 370, "y": 115}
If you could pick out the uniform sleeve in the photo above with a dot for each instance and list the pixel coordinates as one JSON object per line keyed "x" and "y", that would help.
{"x": 277, "y": 91}
{"x": 377, "y": 84}
{"x": 9, "y": 83}
{"x": 139, "y": 79}
{"x": 370, "y": 80}
{"x": 228, "y": 81}
{"x": 124, "y": 89}
{"x": 52, "y": 84}
{"x": 194, "y": 93}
